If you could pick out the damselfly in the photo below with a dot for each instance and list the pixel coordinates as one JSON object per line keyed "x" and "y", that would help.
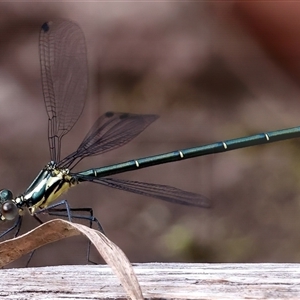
{"x": 64, "y": 81}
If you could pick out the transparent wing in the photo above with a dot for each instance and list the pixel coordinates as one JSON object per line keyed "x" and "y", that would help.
{"x": 110, "y": 131}
{"x": 158, "y": 191}
{"x": 64, "y": 78}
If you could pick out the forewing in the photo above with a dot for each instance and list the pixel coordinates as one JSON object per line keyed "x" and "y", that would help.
{"x": 64, "y": 78}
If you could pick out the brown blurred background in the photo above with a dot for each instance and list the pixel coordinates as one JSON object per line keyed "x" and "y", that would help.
{"x": 212, "y": 71}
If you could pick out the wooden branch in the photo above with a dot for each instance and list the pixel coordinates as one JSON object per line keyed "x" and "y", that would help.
{"x": 157, "y": 280}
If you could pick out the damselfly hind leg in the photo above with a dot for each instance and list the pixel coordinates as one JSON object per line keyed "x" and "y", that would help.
{"x": 71, "y": 213}
{"x": 62, "y": 212}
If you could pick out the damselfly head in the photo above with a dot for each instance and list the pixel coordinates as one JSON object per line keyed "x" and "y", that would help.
{"x": 8, "y": 208}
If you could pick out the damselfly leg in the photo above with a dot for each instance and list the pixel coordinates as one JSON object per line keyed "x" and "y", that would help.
{"x": 16, "y": 226}
{"x": 70, "y": 214}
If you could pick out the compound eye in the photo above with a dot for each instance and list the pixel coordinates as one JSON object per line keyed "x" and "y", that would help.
{"x": 9, "y": 210}
{"x": 5, "y": 195}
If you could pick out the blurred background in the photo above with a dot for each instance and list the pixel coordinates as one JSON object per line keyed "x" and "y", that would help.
{"x": 212, "y": 71}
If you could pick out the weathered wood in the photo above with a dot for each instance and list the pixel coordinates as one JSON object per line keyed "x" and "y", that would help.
{"x": 158, "y": 280}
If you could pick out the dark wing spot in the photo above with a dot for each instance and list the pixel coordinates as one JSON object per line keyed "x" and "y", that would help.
{"x": 109, "y": 114}
{"x": 45, "y": 27}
